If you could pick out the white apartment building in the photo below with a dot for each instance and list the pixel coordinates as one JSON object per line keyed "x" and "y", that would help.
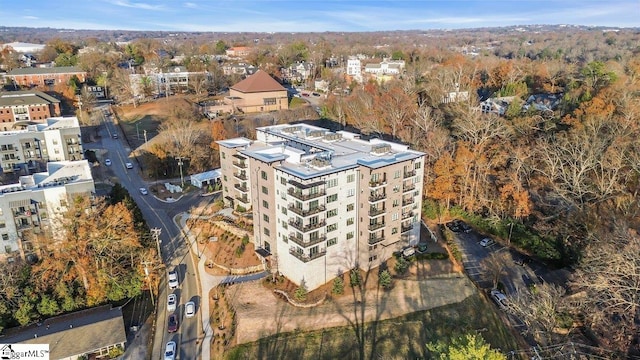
{"x": 354, "y": 68}
{"x": 32, "y": 207}
{"x": 324, "y": 202}
{"x": 29, "y": 150}
{"x": 386, "y": 67}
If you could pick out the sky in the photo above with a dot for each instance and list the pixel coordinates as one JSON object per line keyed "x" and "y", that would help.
{"x": 312, "y": 15}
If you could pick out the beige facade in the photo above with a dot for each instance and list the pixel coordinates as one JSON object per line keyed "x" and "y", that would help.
{"x": 324, "y": 203}
{"x": 259, "y": 101}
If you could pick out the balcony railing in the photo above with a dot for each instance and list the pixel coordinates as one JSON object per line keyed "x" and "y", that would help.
{"x": 241, "y": 188}
{"x": 407, "y": 215}
{"x": 375, "y": 240}
{"x": 306, "y": 212}
{"x": 306, "y": 257}
{"x": 377, "y": 183}
{"x": 408, "y": 201}
{"x": 408, "y": 174}
{"x": 301, "y": 241}
{"x": 242, "y": 199}
{"x": 377, "y": 226}
{"x": 377, "y": 197}
{"x": 240, "y": 176}
{"x": 308, "y": 227}
{"x": 376, "y": 212}
{"x": 305, "y": 196}
{"x": 407, "y": 188}
{"x": 404, "y": 229}
{"x": 240, "y": 164}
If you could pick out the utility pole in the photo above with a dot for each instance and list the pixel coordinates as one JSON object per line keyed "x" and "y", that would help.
{"x": 146, "y": 272}
{"x": 180, "y": 163}
{"x": 155, "y": 233}
{"x": 145, "y": 136}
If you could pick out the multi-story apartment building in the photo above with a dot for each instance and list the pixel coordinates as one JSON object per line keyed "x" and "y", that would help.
{"x": 354, "y": 68}
{"x": 32, "y": 106}
{"x": 45, "y": 76}
{"x": 33, "y": 206}
{"x": 28, "y": 150}
{"x": 324, "y": 202}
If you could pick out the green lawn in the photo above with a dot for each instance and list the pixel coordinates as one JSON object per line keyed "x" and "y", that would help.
{"x": 296, "y": 102}
{"x": 137, "y": 126}
{"x": 400, "y": 338}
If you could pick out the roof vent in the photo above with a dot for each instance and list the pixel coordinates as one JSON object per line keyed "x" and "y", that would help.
{"x": 291, "y": 129}
{"x": 321, "y": 162}
{"x": 331, "y": 136}
{"x": 380, "y": 149}
{"x": 315, "y": 134}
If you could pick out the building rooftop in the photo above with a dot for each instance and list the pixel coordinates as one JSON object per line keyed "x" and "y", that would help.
{"x": 73, "y": 334}
{"x": 328, "y": 152}
{"x": 16, "y": 98}
{"x": 53, "y": 123}
{"x": 43, "y": 71}
{"x": 59, "y": 173}
{"x": 258, "y": 82}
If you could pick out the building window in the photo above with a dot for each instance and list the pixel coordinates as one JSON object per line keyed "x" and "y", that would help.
{"x": 351, "y": 178}
{"x": 332, "y": 212}
{"x": 373, "y": 258}
{"x": 284, "y": 210}
{"x": 2, "y": 225}
{"x": 332, "y": 183}
{"x": 332, "y": 198}
{"x": 267, "y": 232}
{"x": 283, "y": 181}
{"x": 265, "y": 217}
{"x": 417, "y": 165}
{"x": 396, "y": 175}
{"x": 5, "y": 237}
{"x": 225, "y": 177}
{"x": 269, "y": 101}
{"x": 350, "y": 235}
{"x": 263, "y": 175}
{"x": 394, "y": 230}
{"x": 351, "y": 192}
{"x": 332, "y": 227}
{"x": 265, "y": 190}
{"x": 350, "y": 207}
{"x": 285, "y": 225}
{"x": 265, "y": 204}
{"x": 285, "y": 238}
{"x": 395, "y": 216}
{"x": 396, "y": 202}
{"x": 223, "y": 155}
{"x": 332, "y": 241}
{"x": 350, "y": 221}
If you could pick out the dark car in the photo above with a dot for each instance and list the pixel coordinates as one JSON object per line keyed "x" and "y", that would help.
{"x": 465, "y": 227}
{"x": 453, "y": 226}
{"x": 173, "y": 323}
{"x": 521, "y": 260}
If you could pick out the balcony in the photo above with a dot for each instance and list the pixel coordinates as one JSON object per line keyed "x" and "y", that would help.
{"x": 407, "y": 215}
{"x": 376, "y": 212}
{"x": 407, "y": 188}
{"x": 377, "y": 197}
{"x": 375, "y": 239}
{"x": 408, "y": 201}
{"x": 308, "y": 227}
{"x": 377, "y": 183}
{"x": 404, "y": 229}
{"x": 300, "y": 241}
{"x": 242, "y": 199}
{"x": 377, "y": 226}
{"x": 305, "y": 196}
{"x": 240, "y": 164}
{"x": 408, "y": 174}
{"x": 240, "y": 176}
{"x": 306, "y": 257}
{"x": 241, "y": 188}
{"x": 306, "y": 212}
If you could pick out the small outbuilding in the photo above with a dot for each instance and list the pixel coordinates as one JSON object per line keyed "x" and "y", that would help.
{"x": 207, "y": 178}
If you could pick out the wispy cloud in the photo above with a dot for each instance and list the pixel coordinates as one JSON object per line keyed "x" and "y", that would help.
{"x": 29, "y": 17}
{"x": 136, "y": 5}
{"x": 190, "y": 5}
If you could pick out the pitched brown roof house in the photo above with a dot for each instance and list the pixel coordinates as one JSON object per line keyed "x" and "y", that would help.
{"x": 259, "y": 92}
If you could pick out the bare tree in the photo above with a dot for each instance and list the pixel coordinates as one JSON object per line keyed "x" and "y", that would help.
{"x": 495, "y": 266}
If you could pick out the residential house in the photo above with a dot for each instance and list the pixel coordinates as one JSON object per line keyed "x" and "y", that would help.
{"x": 30, "y": 106}
{"x": 324, "y": 202}
{"x": 86, "y": 334}
{"x": 45, "y": 76}
{"x": 496, "y": 105}
{"x": 385, "y": 67}
{"x": 174, "y": 79}
{"x": 543, "y": 102}
{"x": 257, "y": 93}
{"x": 239, "y": 69}
{"x": 34, "y": 205}
{"x": 238, "y": 51}
{"x": 29, "y": 149}
{"x": 299, "y": 72}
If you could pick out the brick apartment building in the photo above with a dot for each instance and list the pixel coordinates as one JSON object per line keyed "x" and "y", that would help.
{"x": 48, "y": 76}
{"x": 30, "y": 106}
{"x": 324, "y": 202}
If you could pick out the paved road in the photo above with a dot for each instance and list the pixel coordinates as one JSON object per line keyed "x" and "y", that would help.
{"x": 173, "y": 247}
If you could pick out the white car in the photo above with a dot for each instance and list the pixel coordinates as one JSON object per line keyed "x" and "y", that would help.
{"x": 143, "y": 191}
{"x": 499, "y": 298}
{"x": 129, "y": 165}
{"x": 173, "y": 279}
{"x": 172, "y": 303}
{"x": 486, "y": 242}
{"x": 107, "y": 162}
{"x": 170, "y": 351}
{"x": 190, "y": 309}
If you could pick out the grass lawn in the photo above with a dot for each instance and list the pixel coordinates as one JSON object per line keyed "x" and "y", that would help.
{"x": 296, "y": 102}
{"x": 400, "y": 338}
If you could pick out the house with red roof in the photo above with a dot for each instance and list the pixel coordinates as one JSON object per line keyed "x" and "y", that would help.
{"x": 257, "y": 93}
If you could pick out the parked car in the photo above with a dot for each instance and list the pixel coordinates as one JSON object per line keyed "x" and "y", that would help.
{"x": 107, "y": 162}
{"x": 465, "y": 227}
{"x": 486, "y": 242}
{"x": 129, "y": 165}
{"x": 521, "y": 260}
{"x": 315, "y": 94}
{"x": 172, "y": 302}
{"x": 305, "y": 94}
{"x": 190, "y": 309}
{"x": 499, "y": 298}
{"x": 172, "y": 325}
{"x": 422, "y": 247}
{"x": 408, "y": 252}
{"x": 170, "y": 351}
{"x": 453, "y": 226}
{"x": 143, "y": 191}
{"x": 114, "y": 135}
{"x": 173, "y": 279}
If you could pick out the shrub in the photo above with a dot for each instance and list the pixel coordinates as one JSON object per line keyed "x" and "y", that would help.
{"x": 385, "y": 279}
{"x": 240, "y": 209}
{"x": 338, "y": 286}
{"x": 301, "y": 293}
{"x": 245, "y": 239}
{"x": 354, "y": 278}
{"x": 402, "y": 265}
{"x": 240, "y": 250}
{"x": 432, "y": 256}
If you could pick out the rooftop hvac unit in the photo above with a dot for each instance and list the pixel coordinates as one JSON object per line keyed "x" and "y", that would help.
{"x": 380, "y": 149}
{"x": 315, "y": 134}
{"x": 331, "y": 136}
